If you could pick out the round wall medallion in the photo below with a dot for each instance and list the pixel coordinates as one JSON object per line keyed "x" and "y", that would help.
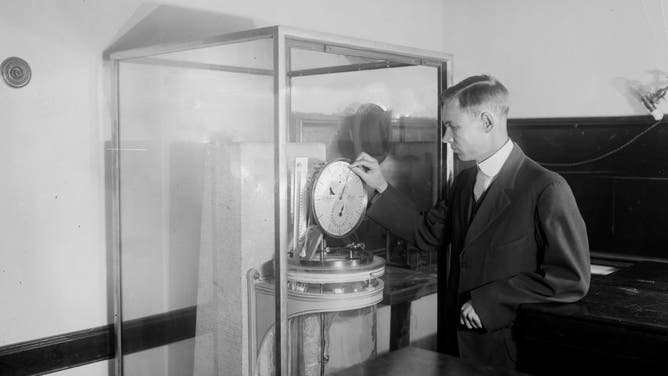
{"x": 16, "y": 72}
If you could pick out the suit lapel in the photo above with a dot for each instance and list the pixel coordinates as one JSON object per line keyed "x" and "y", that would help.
{"x": 497, "y": 198}
{"x": 465, "y": 200}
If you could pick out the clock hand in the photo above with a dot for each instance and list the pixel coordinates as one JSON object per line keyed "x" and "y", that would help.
{"x": 345, "y": 185}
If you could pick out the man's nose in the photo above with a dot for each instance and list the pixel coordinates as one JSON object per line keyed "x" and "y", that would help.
{"x": 447, "y": 137}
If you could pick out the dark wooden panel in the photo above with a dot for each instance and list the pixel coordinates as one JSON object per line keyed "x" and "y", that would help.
{"x": 74, "y": 349}
{"x": 57, "y": 352}
{"x": 623, "y": 216}
{"x": 159, "y": 330}
{"x": 622, "y": 197}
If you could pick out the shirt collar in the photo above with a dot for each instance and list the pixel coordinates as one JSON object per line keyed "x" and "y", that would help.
{"x": 492, "y": 165}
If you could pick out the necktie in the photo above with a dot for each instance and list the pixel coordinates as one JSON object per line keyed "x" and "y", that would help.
{"x": 481, "y": 182}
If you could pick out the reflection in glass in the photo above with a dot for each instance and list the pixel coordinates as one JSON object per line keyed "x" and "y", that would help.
{"x": 390, "y": 114}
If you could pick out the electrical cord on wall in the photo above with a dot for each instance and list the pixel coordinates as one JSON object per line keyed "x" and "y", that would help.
{"x": 611, "y": 152}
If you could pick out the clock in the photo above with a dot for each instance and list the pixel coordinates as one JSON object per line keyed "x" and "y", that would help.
{"x": 338, "y": 199}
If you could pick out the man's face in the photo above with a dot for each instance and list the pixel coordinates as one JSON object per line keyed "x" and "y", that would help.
{"x": 463, "y": 131}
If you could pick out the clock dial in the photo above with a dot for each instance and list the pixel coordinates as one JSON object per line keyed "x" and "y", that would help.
{"x": 338, "y": 199}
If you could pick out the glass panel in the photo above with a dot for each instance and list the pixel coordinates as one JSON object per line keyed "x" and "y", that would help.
{"x": 392, "y": 115}
{"x": 308, "y": 59}
{"x": 197, "y": 204}
{"x": 253, "y": 54}
{"x": 197, "y": 196}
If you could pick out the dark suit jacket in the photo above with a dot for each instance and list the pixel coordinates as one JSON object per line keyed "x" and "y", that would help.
{"x": 525, "y": 243}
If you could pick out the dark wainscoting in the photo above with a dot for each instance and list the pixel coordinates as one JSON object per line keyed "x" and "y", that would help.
{"x": 74, "y": 349}
{"x": 59, "y": 352}
{"x": 159, "y": 330}
{"x": 624, "y": 197}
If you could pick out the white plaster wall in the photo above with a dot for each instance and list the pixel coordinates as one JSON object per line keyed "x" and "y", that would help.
{"x": 53, "y": 253}
{"x": 561, "y": 58}
{"x": 52, "y": 248}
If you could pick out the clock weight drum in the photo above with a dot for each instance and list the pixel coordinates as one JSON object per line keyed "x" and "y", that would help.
{"x": 329, "y": 267}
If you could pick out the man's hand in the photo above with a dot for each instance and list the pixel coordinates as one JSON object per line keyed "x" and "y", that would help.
{"x": 368, "y": 169}
{"x": 468, "y": 317}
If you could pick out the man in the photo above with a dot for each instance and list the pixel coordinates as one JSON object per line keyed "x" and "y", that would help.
{"x": 514, "y": 229}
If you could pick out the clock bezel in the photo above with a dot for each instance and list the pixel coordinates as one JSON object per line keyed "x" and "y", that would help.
{"x": 365, "y": 200}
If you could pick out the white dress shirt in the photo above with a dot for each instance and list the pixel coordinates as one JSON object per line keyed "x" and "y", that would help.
{"x": 490, "y": 167}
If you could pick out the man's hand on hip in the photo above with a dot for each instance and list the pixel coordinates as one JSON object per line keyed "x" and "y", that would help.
{"x": 468, "y": 317}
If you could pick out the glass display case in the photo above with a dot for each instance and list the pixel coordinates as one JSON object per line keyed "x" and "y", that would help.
{"x": 220, "y": 266}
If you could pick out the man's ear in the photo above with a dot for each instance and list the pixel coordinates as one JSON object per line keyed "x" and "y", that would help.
{"x": 488, "y": 120}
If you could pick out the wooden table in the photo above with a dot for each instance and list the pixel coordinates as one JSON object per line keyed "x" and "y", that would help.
{"x": 402, "y": 286}
{"x": 416, "y": 361}
{"x": 620, "y": 327}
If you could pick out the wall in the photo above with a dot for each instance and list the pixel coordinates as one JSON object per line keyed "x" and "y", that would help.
{"x": 54, "y": 266}
{"x": 561, "y": 58}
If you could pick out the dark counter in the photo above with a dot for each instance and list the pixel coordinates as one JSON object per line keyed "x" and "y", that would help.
{"x": 405, "y": 285}
{"x": 621, "y": 326}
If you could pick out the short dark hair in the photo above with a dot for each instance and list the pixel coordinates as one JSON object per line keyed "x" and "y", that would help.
{"x": 475, "y": 92}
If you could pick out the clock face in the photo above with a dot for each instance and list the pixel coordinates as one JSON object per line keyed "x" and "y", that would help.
{"x": 338, "y": 199}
